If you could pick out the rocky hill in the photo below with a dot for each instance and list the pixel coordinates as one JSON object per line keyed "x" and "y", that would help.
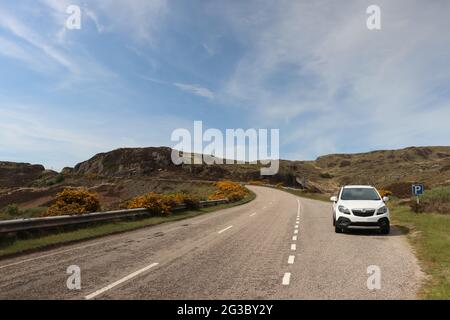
{"x": 127, "y": 172}
{"x": 14, "y": 174}
{"x": 430, "y": 165}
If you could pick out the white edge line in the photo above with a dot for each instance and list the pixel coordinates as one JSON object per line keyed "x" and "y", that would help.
{"x": 112, "y": 285}
{"x": 286, "y": 278}
{"x": 223, "y": 230}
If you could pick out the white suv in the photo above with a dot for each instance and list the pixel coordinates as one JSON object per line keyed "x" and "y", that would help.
{"x": 360, "y": 207}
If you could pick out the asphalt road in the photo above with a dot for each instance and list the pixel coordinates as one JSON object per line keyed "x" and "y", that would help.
{"x": 251, "y": 251}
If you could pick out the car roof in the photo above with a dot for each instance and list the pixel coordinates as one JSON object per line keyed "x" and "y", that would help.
{"x": 359, "y": 186}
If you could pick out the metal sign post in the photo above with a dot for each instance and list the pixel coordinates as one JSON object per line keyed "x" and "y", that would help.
{"x": 417, "y": 190}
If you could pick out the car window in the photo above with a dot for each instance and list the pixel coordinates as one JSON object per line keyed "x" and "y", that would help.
{"x": 359, "y": 194}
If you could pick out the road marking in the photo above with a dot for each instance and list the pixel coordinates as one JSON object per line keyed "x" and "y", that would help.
{"x": 296, "y": 226}
{"x": 252, "y": 214}
{"x": 112, "y": 285}
{"x": 286, "y": 279}
{"x": 52, "y": 254}
{"x": 223, "y": 230}
{"x": 294, "y": 238}
{"x": 291, "y": 259}
{"x": 295, "y": 231}
{"x": 293, "y": 247}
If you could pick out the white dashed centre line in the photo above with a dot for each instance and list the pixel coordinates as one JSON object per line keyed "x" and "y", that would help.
{"x": 296, "y": 226}
{"x": 294, "y": 238}
{"x": 293, "y": 247}
{"x": 291, "y": 259}
{"x": 112, "y": 285}
{"x": 295, "y": 231}
{"x": 286, "y": 279}
{"x": 223, "y": 230}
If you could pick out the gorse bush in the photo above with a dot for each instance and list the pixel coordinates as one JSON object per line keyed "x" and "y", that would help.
{"x": 163, "y": 204}
{"x": 385, "y": 193}
{"x": 230, "y": 190}
{"x": 74, "y": 201}
{"x": 154, "y": 202}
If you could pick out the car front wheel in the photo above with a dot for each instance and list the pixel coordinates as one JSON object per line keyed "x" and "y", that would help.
{"x": 385, "y": 229}
{"x": 337, "y": 229}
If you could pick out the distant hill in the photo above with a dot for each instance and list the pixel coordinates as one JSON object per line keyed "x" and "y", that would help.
{"x": 129, "y": 171}
{"x": 13, "y": 174}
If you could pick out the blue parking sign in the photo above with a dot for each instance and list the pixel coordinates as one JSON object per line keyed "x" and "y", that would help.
{"x": 418, "y": 189}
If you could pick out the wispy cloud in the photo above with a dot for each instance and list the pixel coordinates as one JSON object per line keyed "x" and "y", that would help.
{"x": 20, "y": 30}
{"x": 195, "y": 89}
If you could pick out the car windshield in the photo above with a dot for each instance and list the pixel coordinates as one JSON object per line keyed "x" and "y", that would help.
{"x": 359, "y": 194}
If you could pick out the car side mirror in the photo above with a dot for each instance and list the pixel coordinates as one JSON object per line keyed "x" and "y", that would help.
{"x": 333, "y": 199}
{"x": 385, "y": 199}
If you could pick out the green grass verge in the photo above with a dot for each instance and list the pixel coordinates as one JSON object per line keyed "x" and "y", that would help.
{"x": 13, "y": 245}
{"x": 430, "y": 236}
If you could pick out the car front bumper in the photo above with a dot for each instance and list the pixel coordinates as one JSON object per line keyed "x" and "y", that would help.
{"x": 346, "y": 223}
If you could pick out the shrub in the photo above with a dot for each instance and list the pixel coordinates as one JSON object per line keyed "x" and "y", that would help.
{"x": 74, "y": 201}
{"x": 400, "y": 189}
{"x": 279, "y": 185}
{"x": 12, "y": 210}
{"x": 191, "y": 201}
{"x": 326, "y": 175}
{"x": 154, "y": 202}
{"x": 385, "y": 193}
{"x": 230, "y": 190}
{"x": 256, "y": 182}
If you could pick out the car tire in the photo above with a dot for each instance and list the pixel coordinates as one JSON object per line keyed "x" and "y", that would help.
{"x": 337, "y": 229}
{"x": 386, "y": 229}
{"x": 334, "y": 222}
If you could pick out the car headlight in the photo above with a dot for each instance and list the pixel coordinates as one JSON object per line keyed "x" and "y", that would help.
{"x": 382, "y": 210}
{"x": 343, "y": 210}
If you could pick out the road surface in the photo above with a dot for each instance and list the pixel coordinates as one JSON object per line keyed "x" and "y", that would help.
{"x": 278, "y": 246}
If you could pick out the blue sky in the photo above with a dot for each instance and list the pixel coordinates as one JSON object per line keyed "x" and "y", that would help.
{"x": 137, "y": 70}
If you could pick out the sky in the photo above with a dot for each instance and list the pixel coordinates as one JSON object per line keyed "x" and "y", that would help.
{"x": 137, "y": 70}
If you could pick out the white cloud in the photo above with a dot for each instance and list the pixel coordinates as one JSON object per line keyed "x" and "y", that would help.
{"x": 195, "y": 89}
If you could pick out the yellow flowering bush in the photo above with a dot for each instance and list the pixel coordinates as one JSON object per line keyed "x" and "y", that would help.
{"x": 74, "y": 201}
{"x": 162, "y": 203}
{"x": 230, "y": 190}
{"x": 385, "y": 193}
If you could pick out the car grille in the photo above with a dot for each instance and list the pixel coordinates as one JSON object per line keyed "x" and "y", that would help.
{"x": 363, "y": 212}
